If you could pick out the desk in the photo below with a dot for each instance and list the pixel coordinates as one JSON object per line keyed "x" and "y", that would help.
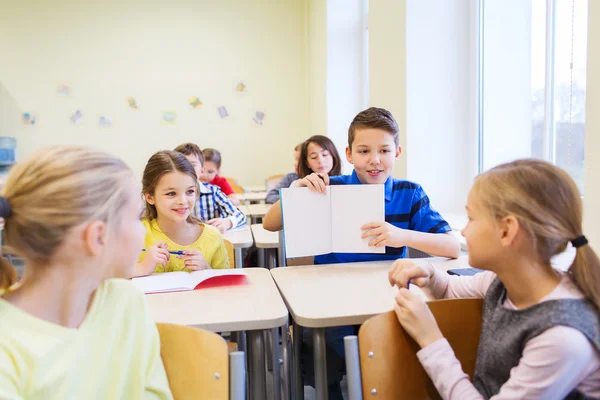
{"x": 256, "y": 211}
{"x": 266, "y": 242}
{"x": 240, "y": 238}
{"x": 336, "y": 295}
{"x": 253, "y": 307}
{"x": 255, "y": 188}
{"x": 253, "y": 197}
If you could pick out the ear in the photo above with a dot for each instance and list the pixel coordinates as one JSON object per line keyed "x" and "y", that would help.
{"x": 509, "y": 229}
{"x": 349, "y": 154}
{"x": 149, "y": 198}
{"x": 94, "y": 238}
{"x": 398, "y": 151}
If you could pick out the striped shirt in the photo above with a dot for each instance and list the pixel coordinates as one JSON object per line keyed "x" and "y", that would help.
{"x": 406, "y": 207}
{"x": 213, "y": 203}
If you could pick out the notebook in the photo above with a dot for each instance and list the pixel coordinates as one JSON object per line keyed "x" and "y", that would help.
{"x": 182, "y": 280}
{"x": 317, "y": 223}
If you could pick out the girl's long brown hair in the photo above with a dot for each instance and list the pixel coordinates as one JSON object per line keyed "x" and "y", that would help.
{"x": 326, "y": 144}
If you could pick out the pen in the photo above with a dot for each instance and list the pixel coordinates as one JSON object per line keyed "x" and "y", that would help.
{"x": 179, "y": 252}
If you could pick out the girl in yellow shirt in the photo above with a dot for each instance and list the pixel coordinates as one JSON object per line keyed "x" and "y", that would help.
{"x": 71, "y": 329}
{"x": 175, "y": 239}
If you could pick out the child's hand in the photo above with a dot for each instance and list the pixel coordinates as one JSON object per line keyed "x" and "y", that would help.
{"x": 315, "y": 182}
{"x": 416, "y": 318}
{"x": 194, "y": 260}
{"x": 222, "y": 224}
{"x": 385, "y": 234}
{"x": 403, "y": 271}
{"x": 157, "y": 254}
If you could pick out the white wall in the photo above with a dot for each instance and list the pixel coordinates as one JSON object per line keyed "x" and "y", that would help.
{"x": 387, "y": 65}
{"x": 345, "y": 70}
{"x": 441, "y": 143}
{"x": 316, "y": 59}
{"x": 162, "y": 53}
{"x": 507, "y": 81}
{"x": 591, "y": 217}
{"x": 10, "y": 114}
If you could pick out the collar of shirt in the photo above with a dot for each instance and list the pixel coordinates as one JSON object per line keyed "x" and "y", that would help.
{"x": 388, "y": 185}
{"x": 204, "y": 189}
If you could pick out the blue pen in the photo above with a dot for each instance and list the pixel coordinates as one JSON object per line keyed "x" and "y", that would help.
{"x": 179, "y": 252}
{"x": 408, "y": 284}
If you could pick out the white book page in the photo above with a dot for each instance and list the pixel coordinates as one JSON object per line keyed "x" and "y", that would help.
{"x": 306, "y": 222}
{"x": 352, "y": 207}
{"x": 164, "y": 282}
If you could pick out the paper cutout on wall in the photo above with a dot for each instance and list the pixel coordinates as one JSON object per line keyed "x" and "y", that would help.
{"x": 29, "y": 118}
{"x": 195, "y": 102}
{"x": 77, "y": 117}
{"x": 240, "y": 87}
{"x": 169, "y": 117}
{"x": 222, "y": 112}
{"x": 105, "y": 122}
{"x": 132, "y": 103}
{"x": 63, "y": 90}
{"x": 259, "y": 117}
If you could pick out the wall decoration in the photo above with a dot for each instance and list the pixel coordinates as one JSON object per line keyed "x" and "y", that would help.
{"x": 240, "y": 87}
{"x": 195, "y": 102}
{"x": 170, "y": 117}
{"x": 259, "y": 117}
{"x": 63, "y": 90}
{"x": 29, "y": 118}
{"x": 133, "y": 103}
{"x": 77, "y": 117}
{"x": 105, "y": 122}
{"x": 222, "y": 112}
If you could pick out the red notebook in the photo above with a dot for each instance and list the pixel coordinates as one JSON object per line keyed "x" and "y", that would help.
{"x": 182, "y": 281}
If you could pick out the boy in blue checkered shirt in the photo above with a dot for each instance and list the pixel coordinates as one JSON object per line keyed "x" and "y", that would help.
{"x": 214, "y": 207}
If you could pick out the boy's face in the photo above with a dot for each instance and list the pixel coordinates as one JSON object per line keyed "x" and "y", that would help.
{"x": 210, "y": 171}
{"x": 373, "y": 155}
{"x": 198, "y": 167}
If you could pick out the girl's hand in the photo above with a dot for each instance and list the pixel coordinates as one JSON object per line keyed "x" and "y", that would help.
{"x": 416, "y": 318}
{"x": 403, "y": 271}
{"x": 194, "y": 260}
{"x": 315, "y": 182}
{"x": 157, "y": 254}
{"x": 222, "y": 224}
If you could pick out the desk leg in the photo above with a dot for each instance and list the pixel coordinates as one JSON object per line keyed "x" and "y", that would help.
{"x": 320, "y": 363}
{"x": 240, "y": 339}
{"x": 297, "y": 371}
{"x": 285, "y": 345}
{"x": 239, "y": 263}
{"x": 276, "y": 364}
{"x": 271, "y": 255}
{"x": 261, "y": 257}
{"x": 258, "y": 389}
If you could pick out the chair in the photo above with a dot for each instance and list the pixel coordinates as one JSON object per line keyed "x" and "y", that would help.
{"x": 230, "y": 253}
{"x": 198, "y": 364}
{"x": 234, "y": 185}
{"x": 272, "y": 181}
{"x": 384, "y": 362}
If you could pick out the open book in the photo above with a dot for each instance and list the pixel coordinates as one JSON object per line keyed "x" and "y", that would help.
{"x": 317, "y": 223}
{"x": 182, "y": 280}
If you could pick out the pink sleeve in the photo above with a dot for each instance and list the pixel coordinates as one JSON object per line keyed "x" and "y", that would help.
{"x": 445, "y": 286}
{"x": 552, "y": 365}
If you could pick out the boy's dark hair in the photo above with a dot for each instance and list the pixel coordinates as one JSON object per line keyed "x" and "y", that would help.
{"x": 325, "y": 143}
{"x": 374, "y": 118}
{"x": 191, "y": 149}
{"x": 212, "y": 155}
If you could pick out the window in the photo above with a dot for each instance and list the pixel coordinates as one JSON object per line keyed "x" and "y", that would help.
{"x": 532, "y": 72}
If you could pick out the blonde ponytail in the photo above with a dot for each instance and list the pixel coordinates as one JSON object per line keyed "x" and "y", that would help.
{"x": 585, "y": 272}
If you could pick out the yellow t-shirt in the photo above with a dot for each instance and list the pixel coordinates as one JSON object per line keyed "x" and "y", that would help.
{"x": 210, "y": 243}
{"x": 114, "y": 354}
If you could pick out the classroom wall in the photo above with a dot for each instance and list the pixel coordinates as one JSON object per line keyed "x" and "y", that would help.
{"x": 441, "y": 85}
{"x": 10, "y": 114}
{"x": 162, "y": 53}
{"x": 387, "y": 65}
{"x": 316, "y": 58}
{"x": 591, "y": 212}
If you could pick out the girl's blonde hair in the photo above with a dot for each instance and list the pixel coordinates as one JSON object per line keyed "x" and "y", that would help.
{"x": 162, "y": 163}
{"x": 547, "y": 204}
{"x": 55, "y": 190}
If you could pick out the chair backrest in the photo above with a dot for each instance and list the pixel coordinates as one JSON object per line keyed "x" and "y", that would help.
{"x": 196, "y": 362}
{"x": 272, "y": 181}
{"x": 230, "y": 254}
{"x": 388, "y": 359}
{"x": 234, "y": 185}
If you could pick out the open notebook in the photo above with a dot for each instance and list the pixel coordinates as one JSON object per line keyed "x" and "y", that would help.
{"x": 182, "y": 280}
{"x": 317, "y": 223}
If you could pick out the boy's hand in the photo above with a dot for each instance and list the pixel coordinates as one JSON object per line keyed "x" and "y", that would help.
{"x": 403, "y": 271}
{"x": 194, "y": 260}
{"x": 385, "y": 234}
{"x": 315, "y": 182}
{"x": 416, "y": 318}
{"x": 222, "y": 224}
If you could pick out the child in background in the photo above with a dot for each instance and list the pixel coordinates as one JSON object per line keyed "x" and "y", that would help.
{"x": 212, "y": 169}
{"x": 540, "y": 336}
{"x": 170, "y": 188}
{"x": 72, "y": 329}
{"x": 214, "y": 206}
{"x": 287, "y": 180}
